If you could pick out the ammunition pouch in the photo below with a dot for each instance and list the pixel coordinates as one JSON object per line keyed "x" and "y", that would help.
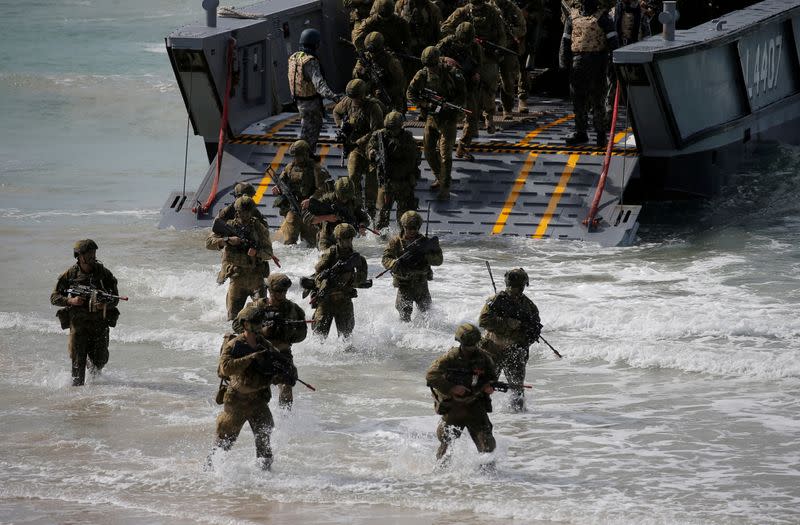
{"x": 63, "y": 318}
{"x": 112, "y": 315}
{"x": 220, "y": 397}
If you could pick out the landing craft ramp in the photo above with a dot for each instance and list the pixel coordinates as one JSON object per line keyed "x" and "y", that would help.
{"x": 523, "y": 181}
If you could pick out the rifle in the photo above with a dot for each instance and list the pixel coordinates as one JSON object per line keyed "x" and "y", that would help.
{"x": 309, "y": 284}
{"x": 381, "y": 160}
{"x": 274, "y": 319}
{"x": 438, "y": 102}
{"x": 221, "y": 227}
{"x": 277, "y": 364}
{"x": 343, "y": 137}
{"x": 332, "y": 212}
{"x": 411, "y": 250}
{"x": 471, "y": 379}
{"x": 531, "y": 331}
{"x": 484, "y": 42}
{"x": 93, "y": 294}
{"x": 374, "y": 73}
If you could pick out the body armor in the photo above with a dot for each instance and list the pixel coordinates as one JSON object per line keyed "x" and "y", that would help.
{"x": 587, "y": 35}
{"x": 301, "y": 87}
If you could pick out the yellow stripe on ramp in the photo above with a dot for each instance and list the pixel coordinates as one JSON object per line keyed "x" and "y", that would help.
{"x": 557, "y": 192}
{"x": 515, "y": 191}
{"x": 530, "y": 136}
{"x": 276, "y": 163}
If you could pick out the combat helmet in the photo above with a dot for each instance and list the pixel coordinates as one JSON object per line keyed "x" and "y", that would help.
{"x": 310, "y": 39}
{"x": 250, "y": 314}
{"x": 468, "y": 334}
{"x": 243, "y": 188}
{"x": 356, "y": 88}
{"x": 430, "y": 56}
{"x": 384, "y": 8}
{"x": 300, "y": 148}
{"x": 245, "y": 204}
{"x": 516, "y": 278}
{"x": 465, "y": 32}
{"x": 279, "y": 282}
{"x": 394, "y": 120}
{"x": 374, "y": 42}
{"x": 83, "y": 246}
{"x": 344, "y": 231}
{"x": 343, "y": 189}
{"x": 411, "y": 219}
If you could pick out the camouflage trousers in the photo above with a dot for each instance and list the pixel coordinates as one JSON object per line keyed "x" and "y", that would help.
{"x": 241, "y": 287}
{"x": 250, "y": 408}
{"x": 293, "y": 228}
{"x": 364, "y": 180}
{"x": 403, "y": 195}
{"x": 410, "y": 293}
{"x": 512, "y": 360}
{"x": 338, "y": 309}
{"x": 437, "y": 143}
{"x": 588, "y": 89}
{"x": 311, "y": 114}
{"x": 285, "y": 395}
{"x": 509, "y": 81}
{"x": 471, "y": 120}
{"x": 490, "y": 73}
{"x": 87, "y": 341}
{"x": 472, "y": 417}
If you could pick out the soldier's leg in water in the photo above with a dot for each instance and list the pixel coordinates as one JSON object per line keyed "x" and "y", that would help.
{"x": 429, "y": 146}
{"x": 323, "y": 317}
{"x": 229, "y": 423}
{"x": 514, "y": 364}
{"x": 446, "y": 433}
{"x": 384, "y": 203}
{"x": 345, "y": 317}
{"x": 291, "y": 228}
{"x": 403, "y": 303}
{"x": 422, "y": 296}
{"x": 97, "y": 348}
{"x": 311, "y": 112}
{"x": 356, "y": 175}
{"x": 237, "y": 296}
{"x": 480, "y": 430}
{"x": 285, "y": 396}
{"x": 78, "y": 349}
{"x": 261, "y": 423}
{"x": 370, "y": 188}
{"x": 308, "y": 233}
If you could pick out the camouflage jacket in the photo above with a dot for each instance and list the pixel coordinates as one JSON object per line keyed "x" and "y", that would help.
{"x": 235, "y": 259}
{"x": 402, "y": 156}
{"x": 396, "y": 32}
{"x": 364, "y": 118}
{"x": 424, "y": 18}
{"x": 488, "y": 23}
{"x": 100, "y": 277}
{"x": 281, "y": 335}
{"x": 468, "y": 55}
{"x": 243, "y": 366}
{"x": 447, "y": 81}
{"x": 343, "y": 284}
{"x": 469, "y": 367}
{"x": 416, "y": 267}
{"x": 503, "y": 307}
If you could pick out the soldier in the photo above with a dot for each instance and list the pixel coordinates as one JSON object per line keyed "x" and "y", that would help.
{"x": 339, "y": 271}
{"x": 250, "y": 364}
{"x": 358, "y": 116}
{"x": 409, "y": 257}
{"x": 359, "y": 11}
{"x": 383, "y": 74}
{"x": 382, "y": 19}
{"x": 425, "y": 19}
{"x": 442, "y": 122}
{"x": 468, "y": 54}
{"x": 308, "y": 86}
{"x": 488, "y": 24}
{"x": 306, "y": 178}
{"x": 88, "y": 318}
{"x": 512, "y": 324}
{"x": 241, "y": 188}
{"x": 589, "y": 36}
{"x": 535, "y": 14}
{"x": 284, "y": 323}
{"x": 394, "y": 158}
{"x": 335, "y": 208}
{"x": 461, "y": 383}
{"x": 631, "y": 23}
{"x": 514, "y": 24}
{"x": 244, "y": 261}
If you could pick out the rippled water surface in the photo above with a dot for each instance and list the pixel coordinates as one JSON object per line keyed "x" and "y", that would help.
{"x": 677, "y": 401}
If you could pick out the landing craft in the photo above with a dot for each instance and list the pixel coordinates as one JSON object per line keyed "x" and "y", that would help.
{"x": 698, "y": 99}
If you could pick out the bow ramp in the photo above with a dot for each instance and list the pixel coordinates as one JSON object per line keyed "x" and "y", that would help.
{"x": 523, "y": 181}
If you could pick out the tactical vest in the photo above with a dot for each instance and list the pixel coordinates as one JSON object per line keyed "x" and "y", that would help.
{"x": 235, "y": 258}
{"x": 300, "y": 177}
{"x": 587, "y": 35}
{"x": 300, "y": 87}
{"x": 358, "y": 117}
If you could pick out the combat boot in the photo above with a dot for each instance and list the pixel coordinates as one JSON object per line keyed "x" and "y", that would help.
{"x": 576, "y": 138}
{"x": 444, "y": 193}
{"x": 490, "y": 127}
{"x": 508, "y": 115}
{"x": 523, "y": 106}
{"x": 602, "y": 140}
{"x": 265, "y": 463}
{"x": 462, "y": 153}
{"x": 435, "y": 184}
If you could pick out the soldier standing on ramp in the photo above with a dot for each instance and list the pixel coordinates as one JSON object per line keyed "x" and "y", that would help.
{"x": 461, "y": 383}
{"x": 308, "y": 86}
{"x": 87, "y": 293}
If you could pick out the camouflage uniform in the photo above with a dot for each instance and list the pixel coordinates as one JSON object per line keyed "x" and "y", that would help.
{"x": 308, "y": 87}
{"x": 382, "y": 19}
{"x": 306, "y": 178}
{"x": 359, "y": 11}
{"x": 425, "y": 19}
{"x": 535, "y": 13}
{"x": 514, "y": 23}
{"x": 468, "y": 366}
{"x": 247, "y": 394}
{"x": 246, "y": 273}
{"x": 334, "y": 299}
{"x": 630, "y": 22}
{"x": 440, "y": 127}
{"x": 241, "y": 188}
{"x": 411, "y": 275}
{"x": 468, "y": 55}
{"x": 512, "y": 324}
{"x": 589, "y": 36}
{"x": 334, "y": 208}
{"x": 385, "y": 69}
{"x": 280, "y": 333}
{"x": 88, "y": 323}
{"x": 488, "y": 24}
{"x": 401, "y": 165}
{"x": 363, "y": 115}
